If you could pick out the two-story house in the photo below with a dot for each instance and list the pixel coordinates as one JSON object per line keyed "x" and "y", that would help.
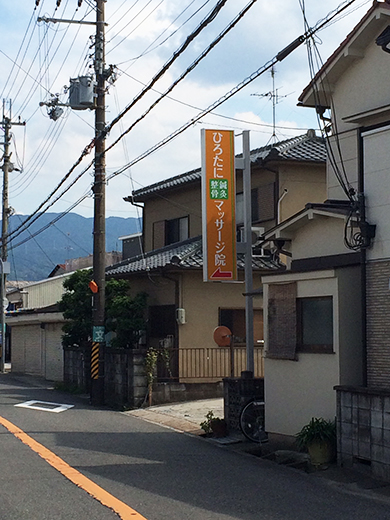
{"x": 183, "y": 310}
{"x": 332, "y": 354}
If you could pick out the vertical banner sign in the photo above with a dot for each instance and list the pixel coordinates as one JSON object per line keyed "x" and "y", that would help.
{"x": 218, "y": 206}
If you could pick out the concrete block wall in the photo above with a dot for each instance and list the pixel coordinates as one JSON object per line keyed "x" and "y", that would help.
{"x": 237, "y": 393}
{"x": 363, "y": 429}
{"x": 77, "y": 367}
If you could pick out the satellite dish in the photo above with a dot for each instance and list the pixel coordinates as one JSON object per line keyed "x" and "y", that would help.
{"x": 222, "y": 336}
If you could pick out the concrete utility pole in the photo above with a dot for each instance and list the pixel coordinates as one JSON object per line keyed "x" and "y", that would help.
{"x": 6, "y": 167}
{"x": 97, "y": 285}
{"x": 99, "y": 231}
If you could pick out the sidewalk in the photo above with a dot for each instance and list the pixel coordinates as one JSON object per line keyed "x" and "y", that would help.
{"x": 185, "y": 417}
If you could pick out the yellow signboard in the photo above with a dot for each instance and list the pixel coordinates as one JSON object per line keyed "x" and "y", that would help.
{"x": 218, "y": 206}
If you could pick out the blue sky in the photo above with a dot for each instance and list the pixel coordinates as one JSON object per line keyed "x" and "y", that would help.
{"x": 38, "y": 59}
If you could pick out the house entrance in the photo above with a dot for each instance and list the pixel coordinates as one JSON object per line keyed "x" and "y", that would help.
{"x": 163, "y": 337}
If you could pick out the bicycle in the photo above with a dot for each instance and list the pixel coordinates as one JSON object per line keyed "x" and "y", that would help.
{"x": 252, "y": 421}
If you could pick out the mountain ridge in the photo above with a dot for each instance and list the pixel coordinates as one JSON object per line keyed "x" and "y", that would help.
{"x": 32, "y": 255}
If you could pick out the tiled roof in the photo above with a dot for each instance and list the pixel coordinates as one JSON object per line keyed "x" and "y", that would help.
{"x": 306, "y": 148}
{"x": 183, "y": 255}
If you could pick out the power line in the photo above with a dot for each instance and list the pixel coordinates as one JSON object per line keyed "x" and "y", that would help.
{"x": 149, "y": 49}
{"x": 136, "y": 27}
{"x": 279, "y": 57}
{"x": 267, "y": 125}
{"x": 186, "y": 72}
{"x": 206, "y": 21}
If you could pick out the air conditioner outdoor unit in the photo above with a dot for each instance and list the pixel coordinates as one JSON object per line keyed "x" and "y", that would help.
{"x": 256, "y": 234}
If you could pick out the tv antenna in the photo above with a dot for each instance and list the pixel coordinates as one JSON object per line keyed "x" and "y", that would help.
{"x": 274, "y": 96}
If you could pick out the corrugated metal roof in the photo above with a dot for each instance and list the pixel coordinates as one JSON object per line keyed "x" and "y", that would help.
{"x": 183, "y": 255}
{"x": 307, "y": 148}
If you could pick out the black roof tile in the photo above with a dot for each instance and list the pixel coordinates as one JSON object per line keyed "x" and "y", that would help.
{"x": 307, "y": 148}
{"x": 183, "y": 255}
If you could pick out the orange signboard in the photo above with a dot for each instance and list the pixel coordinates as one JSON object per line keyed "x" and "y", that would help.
{"x": 218, "y": 205}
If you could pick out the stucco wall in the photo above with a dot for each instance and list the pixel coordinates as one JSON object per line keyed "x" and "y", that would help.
{"x": 303, "y": 184}
{"x": 377, "y": 187}
{"x": 295, "y": 391}
{"x": 201, "y": 301}
{"x": 321, "y": 236}
{"x": 347, "y": 163}
{"x": 178, "y": 203}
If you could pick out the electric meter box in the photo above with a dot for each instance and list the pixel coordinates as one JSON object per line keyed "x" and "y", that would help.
{"x": 82, "y": 93}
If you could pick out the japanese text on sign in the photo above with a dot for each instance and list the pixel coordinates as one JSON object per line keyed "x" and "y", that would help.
{"x": 218, "y": 189}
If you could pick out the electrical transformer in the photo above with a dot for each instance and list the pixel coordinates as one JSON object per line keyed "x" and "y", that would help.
{"x": 82, "y": 93}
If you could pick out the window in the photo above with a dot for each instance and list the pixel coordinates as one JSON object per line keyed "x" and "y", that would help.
{"x": 240, "y": 207}
{"x": 162, "y": 320}
{"x": 315, "y": 325}
{"x": 234, "y": 319}
{"x": 176, "y": 230}
{"x": 167, "y": 232}
{"x": 262, "y": 201}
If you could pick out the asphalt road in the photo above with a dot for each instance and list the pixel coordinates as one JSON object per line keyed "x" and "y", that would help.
{"x": 158, "y": 472}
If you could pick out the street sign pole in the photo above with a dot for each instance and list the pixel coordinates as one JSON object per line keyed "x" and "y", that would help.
{"x": 248, "y": 252}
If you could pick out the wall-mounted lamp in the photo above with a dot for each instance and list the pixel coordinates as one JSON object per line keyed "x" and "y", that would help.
{"x": 383, "y": 39}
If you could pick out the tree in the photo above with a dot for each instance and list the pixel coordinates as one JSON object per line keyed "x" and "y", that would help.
{"x": 76, "y": 306}
{"x": 124, "y": 315}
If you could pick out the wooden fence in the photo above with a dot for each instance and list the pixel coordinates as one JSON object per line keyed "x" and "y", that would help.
{"x": 208, "y": 364}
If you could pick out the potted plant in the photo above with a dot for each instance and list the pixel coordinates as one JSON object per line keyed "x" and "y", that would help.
{"x": 214, "y": 425}
{"x": 319, "y": 438}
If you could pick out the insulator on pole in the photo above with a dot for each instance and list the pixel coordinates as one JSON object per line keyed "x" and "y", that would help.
{"x": 58, "y": 3}
{"x": 79, "y": 2}
{"x": 37, "y": 3}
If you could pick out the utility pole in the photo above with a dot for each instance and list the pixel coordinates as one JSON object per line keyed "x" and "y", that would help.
{"x": 98, "y": 284}
{"x": 6, "y": 167}
{"x": 99, "y": 229}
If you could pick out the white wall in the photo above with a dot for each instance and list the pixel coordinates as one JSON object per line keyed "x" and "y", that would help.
{"x": 376, "y": 146}
{"x": 296, "y": 391}
{"x": 321, "y": 236}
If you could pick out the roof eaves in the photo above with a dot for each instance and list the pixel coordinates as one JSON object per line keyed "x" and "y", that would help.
{"x": 304, "y": 98}
{"x": 307, "y": 147}
{"x": 182, "y": 255}
{"x": 337, "y": 209}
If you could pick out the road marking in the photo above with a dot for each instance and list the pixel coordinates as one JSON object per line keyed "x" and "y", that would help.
{"x": 120, "y": 508}
{"x": 45, "y": 406}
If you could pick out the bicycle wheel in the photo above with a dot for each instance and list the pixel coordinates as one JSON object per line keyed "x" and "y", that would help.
{"x": 252, "y": 421}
